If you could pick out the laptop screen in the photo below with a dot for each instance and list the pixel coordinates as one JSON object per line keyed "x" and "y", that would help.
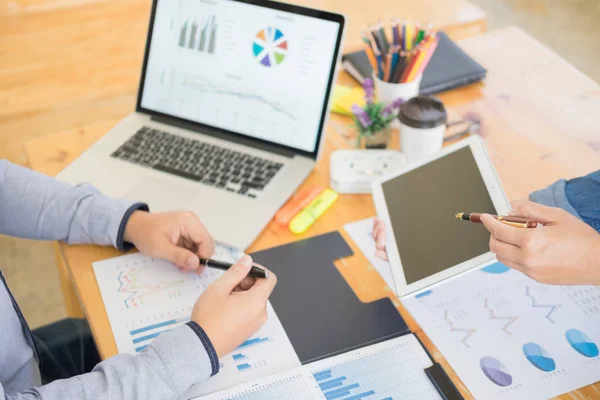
{"x": 248, "y": 69}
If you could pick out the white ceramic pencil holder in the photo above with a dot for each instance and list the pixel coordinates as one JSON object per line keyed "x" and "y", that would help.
{"x": 387, "y": 91}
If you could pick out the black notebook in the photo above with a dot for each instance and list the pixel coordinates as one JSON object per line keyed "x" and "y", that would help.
{"x": 450, "y": 67}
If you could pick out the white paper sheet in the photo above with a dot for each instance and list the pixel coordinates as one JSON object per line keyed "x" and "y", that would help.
{"x": 393, "y": 369}
{"x": 509, "y": 337}
{"x": 361, "y": 234}
{"x": 145, "y": 297}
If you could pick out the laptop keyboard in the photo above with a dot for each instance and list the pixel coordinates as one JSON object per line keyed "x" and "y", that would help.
{"x": 211, "y": 165}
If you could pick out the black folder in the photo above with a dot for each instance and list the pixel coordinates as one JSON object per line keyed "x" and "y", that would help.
{"x": 450, "y": 67}
{"x": 320, "y": 312}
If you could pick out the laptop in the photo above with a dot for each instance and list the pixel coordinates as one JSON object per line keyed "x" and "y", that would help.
{"x": 231, "y": 110}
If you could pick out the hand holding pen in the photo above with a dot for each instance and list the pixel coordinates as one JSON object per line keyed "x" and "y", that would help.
{"x": 514, "y": 221}
{"x": 565, "y": 252}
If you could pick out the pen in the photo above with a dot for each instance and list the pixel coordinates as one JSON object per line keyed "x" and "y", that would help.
{"x": 517, "y": 222}
{"x": 255, "y": 272}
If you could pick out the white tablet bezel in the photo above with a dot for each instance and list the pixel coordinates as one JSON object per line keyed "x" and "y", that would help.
{"x": 495, "y": 190}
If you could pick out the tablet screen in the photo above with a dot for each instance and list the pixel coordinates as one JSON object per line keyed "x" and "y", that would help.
{"x": 422, "y": 204}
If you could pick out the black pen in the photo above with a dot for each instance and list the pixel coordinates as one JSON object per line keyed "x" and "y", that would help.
{"x": 255, "y": 272}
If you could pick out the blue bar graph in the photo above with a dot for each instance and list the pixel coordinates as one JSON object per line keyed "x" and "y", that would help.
{"x": 334, "y": 394}
{"x": 243, "y": 367}
{"x": 138, "y": 349}
{"x": 385, "y": 374}
{"x": 332, "y": 383}
{"x": 361, "y": 396}
{"x": 320, "y": 376}
{"x": 238, "y": 356}
{"x": 253, "y": 341}
{"x": 147, "y": 337}
{"x": 157, "y": 325}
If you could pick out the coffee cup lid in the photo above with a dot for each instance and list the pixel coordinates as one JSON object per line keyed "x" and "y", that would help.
{"x": 423, "y": 112}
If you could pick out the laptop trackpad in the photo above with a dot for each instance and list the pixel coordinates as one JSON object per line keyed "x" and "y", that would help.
{"x": 161, "y": 195}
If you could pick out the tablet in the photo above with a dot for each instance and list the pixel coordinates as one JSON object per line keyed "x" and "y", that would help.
{"x": 419, "y": 202}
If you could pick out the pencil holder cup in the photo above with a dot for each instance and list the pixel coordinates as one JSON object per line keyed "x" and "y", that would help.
{"x": 388, "y": 91}
{"x": 422, "y": 126}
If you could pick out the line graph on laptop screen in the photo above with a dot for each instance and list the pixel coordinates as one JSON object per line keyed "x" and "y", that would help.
{"x": 256, "y": 71}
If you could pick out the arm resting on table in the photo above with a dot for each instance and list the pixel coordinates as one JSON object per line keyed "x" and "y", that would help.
{"x": 164, "y": 370}
{"x": 35, "y": 206}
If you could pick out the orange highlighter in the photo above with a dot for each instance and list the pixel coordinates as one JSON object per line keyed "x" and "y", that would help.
{"x": 296, "y": 204}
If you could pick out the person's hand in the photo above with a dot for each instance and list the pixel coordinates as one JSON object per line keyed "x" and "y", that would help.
{"x": 229, "y": 311}
{"x": 178, "y": 237}
{"x": 379, "y": 237}
{"x": 564, "y": 250}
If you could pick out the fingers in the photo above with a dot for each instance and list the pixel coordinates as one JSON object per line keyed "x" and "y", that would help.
{"x": 235, "y": 275}
{"x": 511, "y": 264}
{"x": 540, "y": 213}
{"x": 502, "y": 232}
{"x": 379, "y": 234}
{"x": 505, "y": 250}
{"x": 179, "y": 256}
{"x": 382, "y": 254}
{"x": 263, "y": 287}
{"x": 196, "y": 232}
{"x": 376, "y": 227}
{"x": 247, "y": 283}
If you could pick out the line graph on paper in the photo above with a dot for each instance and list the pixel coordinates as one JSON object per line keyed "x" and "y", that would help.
{"x": 552, "y": 308}
{"x": 131, "y": 283}
{"x": 494, "y": 316}
{"x": 466, "y": 332}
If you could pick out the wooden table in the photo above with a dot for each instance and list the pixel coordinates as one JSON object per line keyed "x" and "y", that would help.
{"x": 72, "y": 63}
{"x": 540, "y": 123}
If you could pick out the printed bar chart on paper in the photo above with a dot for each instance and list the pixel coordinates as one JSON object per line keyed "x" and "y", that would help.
{"x": 390, "y": 370}
{"x": 509, "y": 337}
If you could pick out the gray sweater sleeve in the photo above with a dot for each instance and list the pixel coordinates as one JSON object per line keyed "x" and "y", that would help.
{"x": 165, "y": 370}
{"x": 35, "y": 206}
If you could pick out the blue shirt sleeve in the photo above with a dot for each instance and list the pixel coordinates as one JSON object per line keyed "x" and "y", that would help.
{"x": 580, "y": 197}
{"x": 584, "y": 195}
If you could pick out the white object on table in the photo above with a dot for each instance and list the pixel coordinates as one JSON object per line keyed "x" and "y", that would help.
{"x": 417, "y": 143}
{"x": 353, "y": 171}
{"x": 387, "y": 92}
{"x": 391, "y": 369}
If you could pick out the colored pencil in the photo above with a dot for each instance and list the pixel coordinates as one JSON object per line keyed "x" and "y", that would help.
{"x": 401, "y": 57}
{"x": 384, "y": 42}
{"x": 369, "y": 51}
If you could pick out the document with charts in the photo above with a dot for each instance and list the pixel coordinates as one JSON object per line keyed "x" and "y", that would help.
{"x": 509, "y": 337}
{"x": 393, "y": 369}
{"x": 145, "y": 297}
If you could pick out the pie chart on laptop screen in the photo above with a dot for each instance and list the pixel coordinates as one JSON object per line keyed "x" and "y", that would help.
{"x": 270, "y": 47}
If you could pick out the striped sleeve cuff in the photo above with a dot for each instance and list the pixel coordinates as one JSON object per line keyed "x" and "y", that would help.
{"x": 212, "y": 354}
{"x": 121, "y": 243}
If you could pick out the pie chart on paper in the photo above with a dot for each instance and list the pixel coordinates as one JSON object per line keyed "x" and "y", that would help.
{"x": 270, "y": 47}
{"x": 539, "y": 357}
{"x": 581, "y": 343}
{"x": 495, "y": 371}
